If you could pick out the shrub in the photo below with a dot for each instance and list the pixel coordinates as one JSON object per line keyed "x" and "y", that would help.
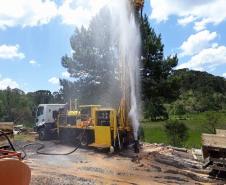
{"x": 212, "y": 121}
{"x": 177, "y": 132}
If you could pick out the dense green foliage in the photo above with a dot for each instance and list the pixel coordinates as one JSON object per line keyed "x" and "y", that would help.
{"x": 212, "y": 122}
{"x": 157, "y": 85}
{"x": 177, "y": 132}
{"x": 199, "y": 92}
{"x": 17, "y": 107}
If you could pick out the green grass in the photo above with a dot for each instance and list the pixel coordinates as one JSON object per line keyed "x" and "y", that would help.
{"x": 24, "y": 137}
{"x": 154, "y": 131}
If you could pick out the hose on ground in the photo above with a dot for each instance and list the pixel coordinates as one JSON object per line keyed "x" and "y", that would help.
{"x": 42, "y": 146}
{"x": 9, "y": 141}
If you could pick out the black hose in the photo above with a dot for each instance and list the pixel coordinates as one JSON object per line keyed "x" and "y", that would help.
{"x": 46, "y": 153}
{"x": 11, "y": 144}
{"x": 9, "y": 141}
{"x": 41, "y": 146}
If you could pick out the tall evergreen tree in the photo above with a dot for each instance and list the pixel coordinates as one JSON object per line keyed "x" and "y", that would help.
{"x": 157, "y": 86}
{"x": 93, "y": 63}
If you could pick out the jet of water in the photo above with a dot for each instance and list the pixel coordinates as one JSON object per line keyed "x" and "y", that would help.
{"x": 127, "y": 31}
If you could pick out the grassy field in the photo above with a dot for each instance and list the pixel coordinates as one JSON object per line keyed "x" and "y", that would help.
{"x": 154, "y": 131}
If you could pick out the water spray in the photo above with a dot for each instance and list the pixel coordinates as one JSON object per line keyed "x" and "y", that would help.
{"x": 126, "y": 30}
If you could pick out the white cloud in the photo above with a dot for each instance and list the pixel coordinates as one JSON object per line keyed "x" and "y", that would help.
{"x": 26, "y": 13}
{"x": 80, "y": 12}
{"x": 207, "y": 59}
{"x": 203, "y": 12}
{"x": 186, "y": 20}
{"x": 54, "y": 81}
{"x": 66, "y": 74}
{"x": 197, "y": 42}
{"x": 10, "y": 52}
{"x": 224, "y": 75}
{"x": 7, "y": 82}
{"x": 32, "y": 62}
{"x": 38, "y": 12}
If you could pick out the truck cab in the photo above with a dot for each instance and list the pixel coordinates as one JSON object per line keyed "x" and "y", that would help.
{"x": 45, "y": 121}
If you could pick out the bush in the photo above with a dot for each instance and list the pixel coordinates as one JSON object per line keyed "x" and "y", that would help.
{"x": 177, "y": 132}
{"x": 212, "y": 122}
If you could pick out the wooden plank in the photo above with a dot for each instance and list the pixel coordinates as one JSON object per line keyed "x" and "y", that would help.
{"x": 212, "y": 140}
{"x": 221, "y": 132}
{"x": 6, "y": 126}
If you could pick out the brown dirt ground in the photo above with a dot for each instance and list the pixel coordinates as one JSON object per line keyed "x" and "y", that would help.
{"x": 92, "y": 166}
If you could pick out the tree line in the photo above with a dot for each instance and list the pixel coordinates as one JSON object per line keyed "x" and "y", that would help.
{"x": 19, "y": 107}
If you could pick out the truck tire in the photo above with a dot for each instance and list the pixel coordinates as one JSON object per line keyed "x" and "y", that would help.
{"x": 84, "y": 140}
{"x": 42, "y": 135}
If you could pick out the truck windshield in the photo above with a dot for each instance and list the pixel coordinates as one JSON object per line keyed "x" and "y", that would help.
{"x": 40, "y": 111}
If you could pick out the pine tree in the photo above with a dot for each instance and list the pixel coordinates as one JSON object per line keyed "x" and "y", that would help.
{"x": 157, "y": 86}
{"x": 93, "y": 63}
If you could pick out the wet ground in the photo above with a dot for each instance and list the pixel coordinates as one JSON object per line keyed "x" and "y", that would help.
{"x": 155, "y": 164}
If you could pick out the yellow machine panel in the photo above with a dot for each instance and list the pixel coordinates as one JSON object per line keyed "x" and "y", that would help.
{"x": 102, "y": 136}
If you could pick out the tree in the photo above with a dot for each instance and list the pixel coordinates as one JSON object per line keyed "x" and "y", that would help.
{"x": 15, "y": 106}
{"x": 157, "y": 86}
{"x": 177, "y": 132}
{"x": 58, "y": 97}
{"x": 200, "y": 91}
{"x": 179, "y": 109}
{"x": 41, "y": 97}
{"x": 93, "y": 64}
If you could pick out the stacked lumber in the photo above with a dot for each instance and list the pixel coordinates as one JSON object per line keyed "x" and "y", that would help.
{"x": 214, "y": 150}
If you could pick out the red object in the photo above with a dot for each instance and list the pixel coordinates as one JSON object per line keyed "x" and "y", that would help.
{"x": 9, "y": 154}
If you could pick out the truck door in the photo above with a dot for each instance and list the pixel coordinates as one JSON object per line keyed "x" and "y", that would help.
{"x": 102, "y": 129}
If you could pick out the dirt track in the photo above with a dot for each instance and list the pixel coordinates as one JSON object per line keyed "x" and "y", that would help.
{"x": 89, "y": 166}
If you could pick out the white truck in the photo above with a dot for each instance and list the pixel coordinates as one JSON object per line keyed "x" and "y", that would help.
{"x": 45, "y": 122}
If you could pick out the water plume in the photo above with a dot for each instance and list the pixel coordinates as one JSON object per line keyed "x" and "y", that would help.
{"x": 126, "y": 30}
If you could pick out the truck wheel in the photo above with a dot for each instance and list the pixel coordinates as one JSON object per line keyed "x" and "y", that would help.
{"x": 111, "y": 150}
{"x": 42, "y": 134}
{"x": 84, "y": 140}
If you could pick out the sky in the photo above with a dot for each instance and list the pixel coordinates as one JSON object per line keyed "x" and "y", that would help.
{"x": 34, "y": 35}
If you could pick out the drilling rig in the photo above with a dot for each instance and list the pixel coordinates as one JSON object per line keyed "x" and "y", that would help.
{"x": 95, "y": 125}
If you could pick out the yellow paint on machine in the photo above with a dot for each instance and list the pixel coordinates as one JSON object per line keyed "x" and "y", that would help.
{"x": 102, "y": 136}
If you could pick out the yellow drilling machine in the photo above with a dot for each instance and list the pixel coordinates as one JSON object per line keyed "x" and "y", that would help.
{"x": 94, "y": 125}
